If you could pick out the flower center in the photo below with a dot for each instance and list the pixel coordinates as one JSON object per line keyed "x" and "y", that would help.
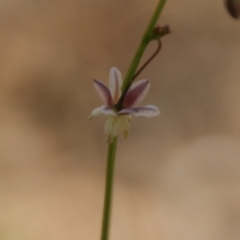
{"x": 115, "y": 125}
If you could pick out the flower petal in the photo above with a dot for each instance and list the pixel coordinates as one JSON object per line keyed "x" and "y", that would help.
{"x": 109, "y": 112}
{"x": 103, "y": 92}
{"x": 147, "y": 111}
{"x": 115, "y": 83}
{"x": 136, "y": 93}
{"x": 102, "y": 110}
{"x": 95, "y": 112}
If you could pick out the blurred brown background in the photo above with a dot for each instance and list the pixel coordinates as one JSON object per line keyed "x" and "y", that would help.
{"x": 177, "y": 175}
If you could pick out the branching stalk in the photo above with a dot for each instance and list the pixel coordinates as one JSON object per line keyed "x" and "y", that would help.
{"x": 131, "y": 74}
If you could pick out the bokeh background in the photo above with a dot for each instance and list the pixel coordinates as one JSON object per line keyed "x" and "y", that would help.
{"x": 177, "y": 175}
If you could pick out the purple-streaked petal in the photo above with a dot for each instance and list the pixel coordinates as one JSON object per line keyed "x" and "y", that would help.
{"x": 136, "y": 93}
{"x": 102, "y": 110}
{"x": 103, "y": 92}
{"x": 126, "y": 111}
{"x": 115, "y": 83}
{"x": 146, "y": 111}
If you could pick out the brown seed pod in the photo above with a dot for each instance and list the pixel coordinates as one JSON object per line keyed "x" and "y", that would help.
{"x": 233, "y": 7}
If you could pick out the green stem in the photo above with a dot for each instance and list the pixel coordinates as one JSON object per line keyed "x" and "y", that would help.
{"x": 108, "y": 189}
{"x": 147, "y": 37}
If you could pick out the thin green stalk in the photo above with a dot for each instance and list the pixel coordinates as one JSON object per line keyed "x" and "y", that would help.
{"x": 147, "y": 37}
{"x": 112, "y": 147}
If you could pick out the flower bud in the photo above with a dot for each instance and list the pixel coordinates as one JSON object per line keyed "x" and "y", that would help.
{"x": 160, "y": 31}
{"x": 233, "y": 7}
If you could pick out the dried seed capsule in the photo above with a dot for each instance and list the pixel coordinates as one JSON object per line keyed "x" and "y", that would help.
{"x": 233, "y": 7}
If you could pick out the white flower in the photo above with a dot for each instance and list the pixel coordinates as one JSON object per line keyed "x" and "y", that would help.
{"x": 119, "y": 121}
